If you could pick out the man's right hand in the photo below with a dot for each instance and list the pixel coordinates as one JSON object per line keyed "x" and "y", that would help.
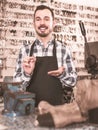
{"x": 29, "y": 64}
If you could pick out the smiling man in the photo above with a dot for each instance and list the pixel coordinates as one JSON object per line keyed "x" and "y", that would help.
{"x": 46, "y": 67}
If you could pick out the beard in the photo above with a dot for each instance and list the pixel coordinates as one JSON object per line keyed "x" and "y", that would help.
{"x": 43, "y": 33}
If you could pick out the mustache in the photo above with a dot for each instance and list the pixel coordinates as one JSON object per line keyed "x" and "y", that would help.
{"x": 42, "y": 26}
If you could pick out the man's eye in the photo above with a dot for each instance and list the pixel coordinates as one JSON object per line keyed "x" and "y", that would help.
{"x": 37, "y": 19}
{"x": 47, "y": 19}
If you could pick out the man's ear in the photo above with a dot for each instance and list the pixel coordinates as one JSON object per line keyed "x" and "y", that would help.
{"x": 33, "y": 23}
{"x": 54, "y": 24}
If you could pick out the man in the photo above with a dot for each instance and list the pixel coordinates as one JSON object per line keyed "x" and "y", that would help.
{"x": 46, "y": 67}
{"x": 83, "y": 108}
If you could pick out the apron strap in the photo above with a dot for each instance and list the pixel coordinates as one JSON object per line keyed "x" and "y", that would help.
{"x": 31, "y": 50}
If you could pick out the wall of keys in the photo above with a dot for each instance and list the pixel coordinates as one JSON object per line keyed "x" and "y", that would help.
{"x": 16, "y": 28}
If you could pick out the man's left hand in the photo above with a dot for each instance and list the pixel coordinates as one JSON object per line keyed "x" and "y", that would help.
{"x": 57, "y": 73}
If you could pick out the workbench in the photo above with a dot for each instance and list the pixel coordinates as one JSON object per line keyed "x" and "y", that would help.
{"x": 26, "y": 123}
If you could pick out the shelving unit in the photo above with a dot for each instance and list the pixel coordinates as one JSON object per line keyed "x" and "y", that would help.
{"x": 16, "y": 27}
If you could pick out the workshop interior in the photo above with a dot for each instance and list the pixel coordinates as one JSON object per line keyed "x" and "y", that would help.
{"x": 76, "y": 26}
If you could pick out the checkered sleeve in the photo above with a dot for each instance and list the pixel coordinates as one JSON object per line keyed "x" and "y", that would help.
{"x": 69, "y": 76}
{"x": 19, "y": 74}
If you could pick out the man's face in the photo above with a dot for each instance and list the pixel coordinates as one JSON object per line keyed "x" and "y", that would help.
{"x": 43, "y": 23}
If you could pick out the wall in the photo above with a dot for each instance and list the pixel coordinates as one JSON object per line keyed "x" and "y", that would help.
{"x": 16, "y": 28}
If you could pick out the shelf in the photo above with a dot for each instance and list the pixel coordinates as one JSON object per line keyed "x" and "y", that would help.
{"x": 16, "y": 25}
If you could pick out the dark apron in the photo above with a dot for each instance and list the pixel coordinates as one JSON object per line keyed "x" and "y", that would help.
{"x": 45, "y": 87}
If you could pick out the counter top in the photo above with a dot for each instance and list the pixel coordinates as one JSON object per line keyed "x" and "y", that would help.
{"x": 26, "y": 123}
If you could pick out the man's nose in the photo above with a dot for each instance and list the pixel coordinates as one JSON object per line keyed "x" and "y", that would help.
{"x": 42, "y": 21}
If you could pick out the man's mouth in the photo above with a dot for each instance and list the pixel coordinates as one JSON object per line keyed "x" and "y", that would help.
{"x": 42, "y": 28}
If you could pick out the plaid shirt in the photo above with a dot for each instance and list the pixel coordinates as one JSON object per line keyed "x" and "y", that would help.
{"x": 68, "y": 78}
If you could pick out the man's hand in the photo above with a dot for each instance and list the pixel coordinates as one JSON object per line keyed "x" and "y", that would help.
{"x": 29, "y": 64}
{"x": 57, "y": 72}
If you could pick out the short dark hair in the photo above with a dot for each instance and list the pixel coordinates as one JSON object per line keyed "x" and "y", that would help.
{"x": 42, "y": 7}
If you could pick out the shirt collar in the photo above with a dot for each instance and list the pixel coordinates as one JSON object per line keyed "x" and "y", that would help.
{"x": 38, "y": 42}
